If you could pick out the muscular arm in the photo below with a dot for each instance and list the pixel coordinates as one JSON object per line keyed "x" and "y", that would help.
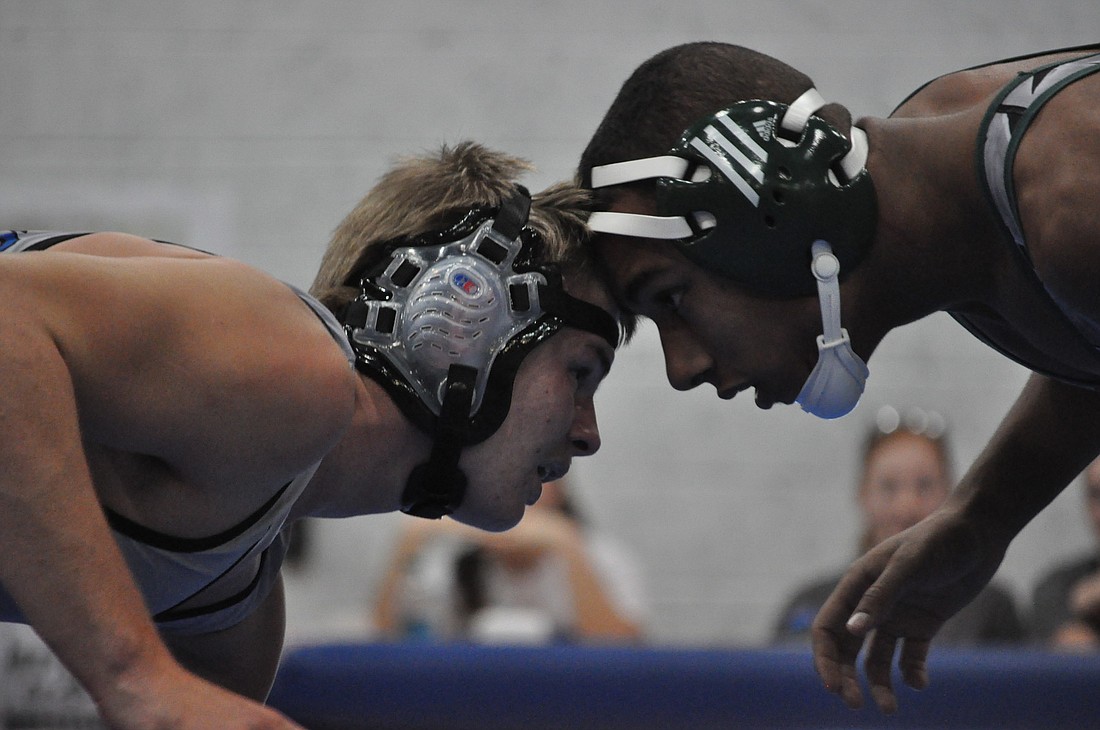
{"x": 59, "y": 559}
{"x": 907, "y": 587}
{"x": 85, "y": 360}
{"x": 1048, "y": 437}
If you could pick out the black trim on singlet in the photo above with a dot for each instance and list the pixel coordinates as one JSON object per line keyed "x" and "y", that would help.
{"x": 47, "y": 242}
{"x": 964, "y": 319}
{"x": 1015, "y": 116}
{"x": 141, "y": 533}
{"x": 1013, "y": 59}
{"x": 178, "y": 614}
{"x": 1036, "y": 54}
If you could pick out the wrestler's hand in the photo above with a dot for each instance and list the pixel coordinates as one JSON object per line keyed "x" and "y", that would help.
{"x": 177, "y": 699}
{"x": 903, "y": 590}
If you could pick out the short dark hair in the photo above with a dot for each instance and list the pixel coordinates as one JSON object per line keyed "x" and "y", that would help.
{"x": 674, "y": 88}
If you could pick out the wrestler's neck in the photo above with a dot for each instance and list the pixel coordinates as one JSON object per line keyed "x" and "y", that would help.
{"x": 367, "y": 470}
{"x": 935, "y": 238}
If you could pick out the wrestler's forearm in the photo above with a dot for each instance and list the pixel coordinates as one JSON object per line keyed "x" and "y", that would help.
{"x": 1047, "y": 438}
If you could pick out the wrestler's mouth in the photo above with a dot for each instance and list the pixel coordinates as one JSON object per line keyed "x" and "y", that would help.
{"x": 552, "y": 472}
{"x": 729, "y": 393}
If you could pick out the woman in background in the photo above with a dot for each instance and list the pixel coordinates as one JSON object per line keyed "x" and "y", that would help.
{"x": 1065, "y": 611}
{"x": 906, "y": 474}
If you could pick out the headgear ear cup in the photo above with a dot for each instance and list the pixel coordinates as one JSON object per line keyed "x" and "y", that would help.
{"x": 769, "y": 195}
{"x": 769, "y": 201}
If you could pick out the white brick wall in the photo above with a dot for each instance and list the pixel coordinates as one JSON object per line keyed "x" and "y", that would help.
{"x": 250, "y": 126}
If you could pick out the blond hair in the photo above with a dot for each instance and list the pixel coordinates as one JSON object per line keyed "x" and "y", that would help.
{"x": 420, "y": 194}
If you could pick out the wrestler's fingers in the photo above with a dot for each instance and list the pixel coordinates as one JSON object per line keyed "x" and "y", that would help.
{"x": 878, "y": 665}
{"x": 835, "y": 663}
{"x": 835, "y": 648}
{"x": 877, "y": 600}
{"x": 850, "y": 692}
{"x": 913, "y": 662}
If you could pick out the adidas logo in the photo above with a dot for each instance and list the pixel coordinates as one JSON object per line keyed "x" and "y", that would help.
{"x": 731, "y": 150}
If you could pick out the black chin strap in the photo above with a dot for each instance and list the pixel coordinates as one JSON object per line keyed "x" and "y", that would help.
{"x": 512, "y": 215}
{"x": 436, "y": 487}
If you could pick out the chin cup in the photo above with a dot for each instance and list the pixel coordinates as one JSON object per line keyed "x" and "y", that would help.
{"x": 837, "y": 381}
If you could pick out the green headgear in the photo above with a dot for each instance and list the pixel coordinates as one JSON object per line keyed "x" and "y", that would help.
{"x": 778, "y": 201}
{"x": 746, "y": 191}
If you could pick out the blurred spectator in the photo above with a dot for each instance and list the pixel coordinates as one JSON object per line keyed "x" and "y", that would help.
{"x": 906, "y": 474}
{"x": 36, "y": 691}
{"x": 1066, "y": 604}
{"x": 549, "y": 578}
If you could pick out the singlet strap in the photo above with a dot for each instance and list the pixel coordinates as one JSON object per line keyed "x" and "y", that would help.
{"x": 1005, "y": 122}
{"x": 33, "y": 240}
{"x": 1013, "y": 59}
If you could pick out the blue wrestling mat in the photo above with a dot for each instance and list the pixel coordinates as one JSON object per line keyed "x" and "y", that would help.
{"x": 421, "y": 686}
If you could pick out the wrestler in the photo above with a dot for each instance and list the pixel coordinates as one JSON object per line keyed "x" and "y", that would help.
{"x": 774, "y": 243}
{"x": 168, "y": 414}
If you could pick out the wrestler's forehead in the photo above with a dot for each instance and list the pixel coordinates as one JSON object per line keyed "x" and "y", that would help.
{"x": 633, "y": 263}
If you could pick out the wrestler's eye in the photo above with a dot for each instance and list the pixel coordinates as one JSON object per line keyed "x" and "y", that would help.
{"x": 586, "y": 371}
{"x": 669, "y": 300}
{"x": 589, "y": 368}
{"x": 581, "y": 373}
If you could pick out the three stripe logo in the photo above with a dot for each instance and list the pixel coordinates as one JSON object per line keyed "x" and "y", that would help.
{"x": 730, "y": 150}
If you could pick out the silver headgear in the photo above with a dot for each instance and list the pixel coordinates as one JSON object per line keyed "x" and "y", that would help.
{"x": 444, "y": 322}
{"x": 451, "y": 304}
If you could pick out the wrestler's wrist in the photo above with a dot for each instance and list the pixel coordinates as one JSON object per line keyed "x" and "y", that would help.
{"x": 135, "y": 671}
{"x": 994, "y": 523}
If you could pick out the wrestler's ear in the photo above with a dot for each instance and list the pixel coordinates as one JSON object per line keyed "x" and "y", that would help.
{"x": 838, "y": 116}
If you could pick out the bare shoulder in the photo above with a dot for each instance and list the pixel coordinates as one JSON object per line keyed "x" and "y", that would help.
{"x": 948, "y": 95}
{"x": 124, "y": 245}
{"x": 962, "y": 90}
{"x": 1056, "y": 171}
{"x": 1057, "y": 176}
{"x": 205, "y": 362}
